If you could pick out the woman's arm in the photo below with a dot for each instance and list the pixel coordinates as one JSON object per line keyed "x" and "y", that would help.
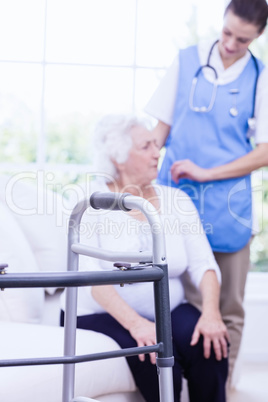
{"x": 141, "y": 329}
{"x": 243, "y": 166}
{"x": 210, "y": 323}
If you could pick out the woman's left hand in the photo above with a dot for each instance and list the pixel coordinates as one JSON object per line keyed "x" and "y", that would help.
{"x": 214, "y": 332}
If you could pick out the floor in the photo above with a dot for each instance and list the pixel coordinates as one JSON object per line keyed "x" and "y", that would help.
{"x": 252, "y": 385}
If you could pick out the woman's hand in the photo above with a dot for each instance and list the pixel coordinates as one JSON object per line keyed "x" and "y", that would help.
{"x": 186, "y": 169}
{"x": 210, "y": 323}
{"x": 214, "y": 332}
{"x": 143, "y": 331}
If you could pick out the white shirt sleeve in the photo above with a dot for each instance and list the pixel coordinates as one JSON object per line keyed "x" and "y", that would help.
{"x": 261, "y": 134}
{"x": 162, "y": 103}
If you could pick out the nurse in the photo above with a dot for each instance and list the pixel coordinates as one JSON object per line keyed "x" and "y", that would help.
{"x": 213, "y": 98}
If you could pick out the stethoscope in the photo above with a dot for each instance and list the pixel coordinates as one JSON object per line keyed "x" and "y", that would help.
{"x": 233, "y": 109}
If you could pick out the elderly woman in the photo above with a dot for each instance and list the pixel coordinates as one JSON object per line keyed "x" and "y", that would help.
{"x": 128, "y": 158}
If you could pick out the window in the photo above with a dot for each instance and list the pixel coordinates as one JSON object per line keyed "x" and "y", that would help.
{"x": 65, "y": 63}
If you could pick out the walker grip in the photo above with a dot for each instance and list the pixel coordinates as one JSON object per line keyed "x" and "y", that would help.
{"x": 112, "y": 201}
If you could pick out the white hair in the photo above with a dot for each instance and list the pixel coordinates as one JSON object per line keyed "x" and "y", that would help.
{"x": 112, "y": 142}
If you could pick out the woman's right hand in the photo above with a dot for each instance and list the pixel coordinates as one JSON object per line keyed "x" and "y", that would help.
{"x": 143, "y": 331}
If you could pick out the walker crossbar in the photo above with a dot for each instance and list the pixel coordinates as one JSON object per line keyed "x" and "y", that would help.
{"x": 67, "y": 279}
{"x": 38, "y": 361}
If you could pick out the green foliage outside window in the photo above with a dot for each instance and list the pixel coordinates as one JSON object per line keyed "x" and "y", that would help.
{"x": 69, "y": 140}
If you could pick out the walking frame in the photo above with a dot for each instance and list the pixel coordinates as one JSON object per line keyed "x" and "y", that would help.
{"x": 152, "y": 267}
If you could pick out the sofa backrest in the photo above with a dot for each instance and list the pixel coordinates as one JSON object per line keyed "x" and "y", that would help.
{"x": 33, "y": 238}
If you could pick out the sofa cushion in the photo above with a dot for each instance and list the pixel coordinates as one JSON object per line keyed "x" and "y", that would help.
{"x": 44, "y": 383}
{"x": 122, "y": 397}
{"x": 42, "y": 215}
{"x": 25, "y": 305}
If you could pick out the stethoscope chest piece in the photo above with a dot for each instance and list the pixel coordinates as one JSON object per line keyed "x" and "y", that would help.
{"x": 233, "y": 111}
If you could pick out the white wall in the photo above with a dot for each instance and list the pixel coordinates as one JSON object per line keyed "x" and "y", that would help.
{"x": 255, "y": 339}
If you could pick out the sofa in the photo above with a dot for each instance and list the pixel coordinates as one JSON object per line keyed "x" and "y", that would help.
{"x": 33, "y": 238}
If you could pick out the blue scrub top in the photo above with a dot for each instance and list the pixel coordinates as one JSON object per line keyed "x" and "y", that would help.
{"x": 213, "y": 139}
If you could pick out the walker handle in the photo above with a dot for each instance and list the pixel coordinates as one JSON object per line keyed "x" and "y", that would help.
{"x": 112, "y": 201}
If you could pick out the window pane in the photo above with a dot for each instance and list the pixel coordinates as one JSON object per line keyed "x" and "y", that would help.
{"x": 90, "y": 31}
{"x": 20, "y": 95}
{"x": 259, "y": 249}
{"x": 76, "y": 97}
{"x": 259, "y": 47}
{"x": 165, "y": 26}
{"x": 146, "y": 83}
{"x": 22, "y": 29}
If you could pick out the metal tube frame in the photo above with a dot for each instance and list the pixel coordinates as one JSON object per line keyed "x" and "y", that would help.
{"x": 72, "y": 279}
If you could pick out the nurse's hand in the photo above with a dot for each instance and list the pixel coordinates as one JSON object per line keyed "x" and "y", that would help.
{"x": 186, "y": 169}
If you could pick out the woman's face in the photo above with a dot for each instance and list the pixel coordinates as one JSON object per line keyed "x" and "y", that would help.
{"x": 141, "y": 165}
{"x": 237, "y": 34}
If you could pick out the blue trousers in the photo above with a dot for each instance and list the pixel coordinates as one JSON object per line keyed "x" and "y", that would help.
{"x": 206, "y": 377}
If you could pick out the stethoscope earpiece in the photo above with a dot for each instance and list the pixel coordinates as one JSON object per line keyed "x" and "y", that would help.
{"x": 252, "y": 123}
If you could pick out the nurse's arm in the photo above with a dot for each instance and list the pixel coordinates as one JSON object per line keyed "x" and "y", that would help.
{"x": 254, "y": 160}
{"x": 161, "y": 131}
{"x": 243, "y": 166}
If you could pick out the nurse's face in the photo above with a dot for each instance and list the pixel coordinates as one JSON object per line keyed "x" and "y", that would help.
{"x": 237, "y": 34}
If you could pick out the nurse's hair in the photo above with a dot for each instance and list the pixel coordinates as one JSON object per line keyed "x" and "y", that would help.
{"x": 112, "y": 141}
{"x": 252, "y": 11}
